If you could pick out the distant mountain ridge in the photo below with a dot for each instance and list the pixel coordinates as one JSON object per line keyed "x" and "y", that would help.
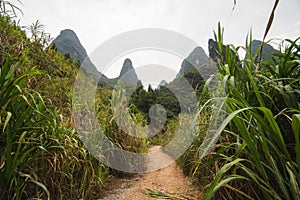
{"x": 67, "y": 43}
{"x": 195, "y": 69}
{"x": 196, "y": 66}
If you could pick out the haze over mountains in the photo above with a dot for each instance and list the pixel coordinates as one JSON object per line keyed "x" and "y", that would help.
{"x": 67, "y": 43}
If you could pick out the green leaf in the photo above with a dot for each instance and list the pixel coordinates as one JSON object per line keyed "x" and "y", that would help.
{"x": 293, "y": 183}
{"x": 224, "y": 182}
{"x": 296, "y": 130}
{"x": 216, "y": 182}
{"x": 7, "y": 120}
{"x": 43, "y": 187}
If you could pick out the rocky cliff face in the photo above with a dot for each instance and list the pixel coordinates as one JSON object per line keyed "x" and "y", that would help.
{"x": 196, "y": 58}
{"x": 217, "y": 54}
{"x": 162, "y": 83}
{"x": 128, "y": 74}
{"x": 267, "y": 50}
{"x": 67, "y": 43}
{"x": 191, "y": 71}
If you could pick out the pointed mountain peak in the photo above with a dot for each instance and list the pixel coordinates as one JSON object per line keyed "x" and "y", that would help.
{"x": 68, "y": 32}
{"x": 67, "y": 43}
{"x": 69, "y": 35}
{"x": 267, "y": 50}
{"x": 127, "y": 67}
{"x": 196, "y": 58}
{"x": 127, "y": 60}
{"x": 128, "y": 73}
{"x": 198, "y": 50}
{"x": 162, "y": 83}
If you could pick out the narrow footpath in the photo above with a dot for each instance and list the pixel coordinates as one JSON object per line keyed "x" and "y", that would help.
{"x": 165, "y": 183}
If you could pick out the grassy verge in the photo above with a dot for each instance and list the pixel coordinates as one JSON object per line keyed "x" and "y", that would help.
{"x": 257, "y": 154}
{"x": 41, "y": 154}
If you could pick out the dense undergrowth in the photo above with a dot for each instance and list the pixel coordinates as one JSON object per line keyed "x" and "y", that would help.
{"x": 257, "y": 155}
{"x": 41, "y": 155}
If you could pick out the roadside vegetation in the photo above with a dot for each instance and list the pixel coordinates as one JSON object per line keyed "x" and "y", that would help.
{"x": 257, "y": 150}
{"x": 41, "y": 155}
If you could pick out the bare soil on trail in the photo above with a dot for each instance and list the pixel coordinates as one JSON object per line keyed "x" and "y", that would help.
{"x": 170, "y": 180}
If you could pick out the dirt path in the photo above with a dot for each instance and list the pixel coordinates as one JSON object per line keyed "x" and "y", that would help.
{"x": 168, "y": 180}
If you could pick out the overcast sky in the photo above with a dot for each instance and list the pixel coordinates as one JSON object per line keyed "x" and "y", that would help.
{"x": 96, "y": 21}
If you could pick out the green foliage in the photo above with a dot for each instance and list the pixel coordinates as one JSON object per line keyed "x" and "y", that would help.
{"x": 143, "y": 99}
{"x": 257, "y": 154}
{"x": 14, "y": 157}
{"x": 169, "y": 101}
{"x": 165, "y": 95}
{"x": 38, "y": 151}
{"x": 123, "y": 128}
{"x": 41, "y": 156}
{"x": 164, "y": 136}
{"x": 57, "y": 73}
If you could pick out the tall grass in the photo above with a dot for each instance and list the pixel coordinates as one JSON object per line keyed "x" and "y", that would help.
{"x": 123, "y": 128}
{"x": 41, "y": 156}
{"x": 15, "y": 150}
{"x": 257, "y": 155}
